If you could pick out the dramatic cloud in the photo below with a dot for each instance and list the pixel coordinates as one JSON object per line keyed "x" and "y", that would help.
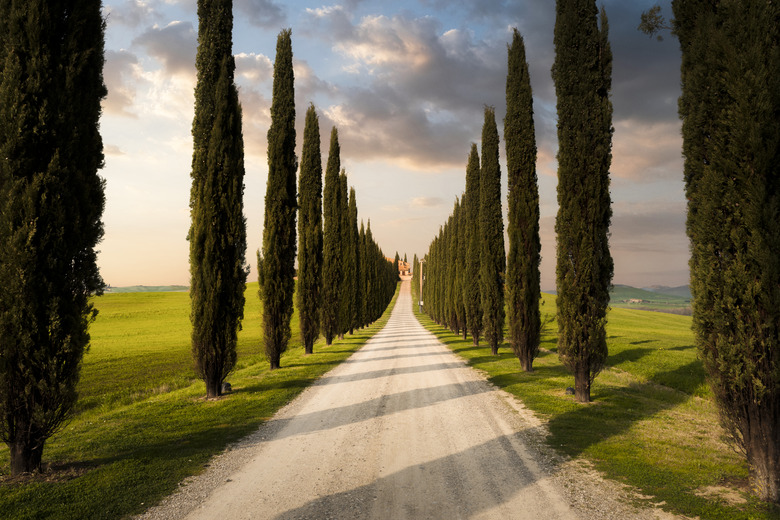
{"x": 422, "y": 89}
{"x": 173, "y": 45}
{"x": 262, "y": 13}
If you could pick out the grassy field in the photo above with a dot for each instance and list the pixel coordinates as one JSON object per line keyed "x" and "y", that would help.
{"x": 652, "y": 424}
{"x": 142, "y": 423}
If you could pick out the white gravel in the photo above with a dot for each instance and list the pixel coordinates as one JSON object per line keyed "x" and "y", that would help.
{"x": 403, "y": 429}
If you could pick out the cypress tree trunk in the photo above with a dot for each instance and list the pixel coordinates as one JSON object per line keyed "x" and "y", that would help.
{"x": 309, "y": 295}
{"x": 280, "y": 206}
{"x": 51, "y": 203}
{"x": 582, "y": 73}
{"x": 491, "y": 230}
{"x": 523, "y": 279}
{"x": 217, "y": 233}
{"x": 331, "y": 253}
{"x": 730, "y": 107}
{"x": 472, "y": 301}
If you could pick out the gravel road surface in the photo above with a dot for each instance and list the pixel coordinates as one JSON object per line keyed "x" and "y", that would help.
{"x": 402, "y": 429}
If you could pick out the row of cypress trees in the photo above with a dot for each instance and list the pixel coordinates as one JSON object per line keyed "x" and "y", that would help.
{"x": 467, "y": 269}
{"x": 465, "y": 264}
{"x": 357, "y": 280}
{"x": 468, "y": 273}
{"x": 730, "y": 108}
{"x": 344, "y": 280}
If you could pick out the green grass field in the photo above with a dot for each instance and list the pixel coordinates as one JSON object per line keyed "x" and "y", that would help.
{"x": 142, "y": 423}
{"x": 652, "y": 423}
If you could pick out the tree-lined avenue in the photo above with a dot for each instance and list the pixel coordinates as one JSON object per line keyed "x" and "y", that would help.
{"x": 403, "y": 429}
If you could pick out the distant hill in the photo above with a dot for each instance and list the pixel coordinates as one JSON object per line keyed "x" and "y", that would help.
{"x": 628, "y": 297}
{"x": 148, "y": 288}
{"x": 682, "y": 291}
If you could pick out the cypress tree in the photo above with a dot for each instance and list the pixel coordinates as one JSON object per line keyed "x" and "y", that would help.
{"x": 372, "y": 284}
{"x": 455, "y": 296}
{"x": 51, "y": 203}
{"x": 217, "y": 233}
{"x": 396, "y": 262}
{"x": 491, "y": 229}
{"x": 279, "y": 237}
{"x": 523, "y": 279}
{"x": 472, "y": 300}
{"x": 415, "y": 280}
{"x": 357, "y": 276}
{"x": 582, "y": 73}
{"x": 461, "y": 273}
{"x": 730, "y": 106}
{"x": 347, "y": 260}
{"x": 363, "y": 276}
{"x": 309, "y": 295}
{"x": 331, "y": 240}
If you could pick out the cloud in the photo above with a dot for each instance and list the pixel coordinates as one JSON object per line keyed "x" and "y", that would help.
{"x": 421, "y": 90}
{"x": 255, "y": 68}
{"x": 112, "y": 149}
{"x": 131, "y": 13}
{"x": 119, "y": 74}
{"x": 262, "y": 13}
{"x": 174, "y": 46}
{"x": 647, "y": 151}
{"x": 426, "y": 202}
{"x": 256, "y": 120}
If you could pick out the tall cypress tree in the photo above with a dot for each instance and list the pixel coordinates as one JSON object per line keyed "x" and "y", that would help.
{"x": 455, "y": 257}
{"x": 472, "y": 300}
{"x": 363, "y": 277}
{"x": 461, "y": 272}
{"x": 730, "y": 107}
{"x": 347, "y": 259}
{"x": 218, "y": 231}
{"x": 280, "y": 206}
{"x": 51, "y": 203}
{"x": 357, "y": 276}
{"x": 491, "y": 229}
{"x": 309, "y": 295}
{"x": 523, "y": 279}
{"x": 331, "y": 253}
{"x": 582, "y": 73}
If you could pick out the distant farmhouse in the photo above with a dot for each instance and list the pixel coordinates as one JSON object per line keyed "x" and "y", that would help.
{"x": 404, "y": 268}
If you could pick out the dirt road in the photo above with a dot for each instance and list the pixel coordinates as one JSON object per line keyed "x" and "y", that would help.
{"x": 403, "y": 429}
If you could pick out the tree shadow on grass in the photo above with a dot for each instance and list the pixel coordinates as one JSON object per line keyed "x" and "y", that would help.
{"x": 614, "y": 410}
{"x": 631, "y": 355}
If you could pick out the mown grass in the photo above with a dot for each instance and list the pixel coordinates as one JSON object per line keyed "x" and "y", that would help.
{"x": 652, "y": 423}
{"x": 143, "y": 424}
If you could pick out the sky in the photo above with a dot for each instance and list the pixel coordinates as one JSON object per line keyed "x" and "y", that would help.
{"x": 405, "y": 83}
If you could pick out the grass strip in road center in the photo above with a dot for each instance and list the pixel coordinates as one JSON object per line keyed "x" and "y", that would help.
{"x": 652, "y": 424}
{"x": 143, "y": 424}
